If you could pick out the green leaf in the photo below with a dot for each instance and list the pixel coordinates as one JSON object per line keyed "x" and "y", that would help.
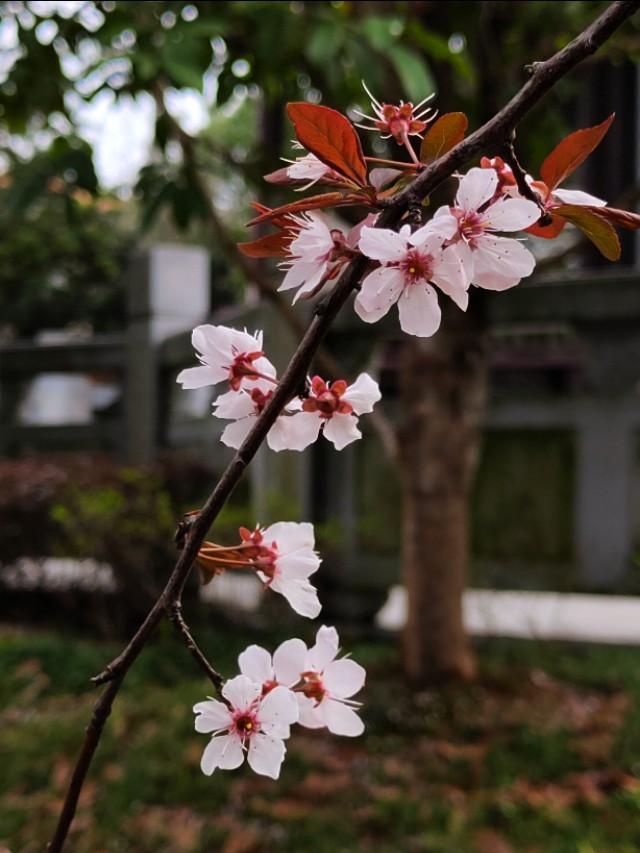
{"x": 413, "y": 73}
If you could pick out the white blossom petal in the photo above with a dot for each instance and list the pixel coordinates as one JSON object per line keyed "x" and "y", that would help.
{"x": 233, "y": 405}
{"x": 266, "y": 755}
{"x": 290, "y": 535}
{"x": 299, "y": 565}
{"x": 310, "y": 716}
{"x": 234, "y": 434}
{"x": 343, "y": 678}
{"x": 199, "y": 377}
{"x": 300, "y": 272}
{"x": 382, "y": 244}
{"x": 378, "y": 292}
{"x": 299, "y": 432}
{"x": 500, "y": 262}
{"x": 301, "y": 595}
{"x": 324, "y": 650}
{"x": 278, "y": 711}
{"x": 451, "y": 277}
{"x": 255, "y": 663}
{"x": 510, "y": 214}
{"x": 241, "y": 691}
{"x": 340, "y": 719}
{"x": 342, "y": 430}
{"x": 578, "y": 197}
{"x": 476, "y": 187}
{"x": 211, "y": 716}
{"x": 224, "y": 752}
{"x": 288, "y": 661}
{"x": 363, "y": 394}
{"x": 419, "y": 310}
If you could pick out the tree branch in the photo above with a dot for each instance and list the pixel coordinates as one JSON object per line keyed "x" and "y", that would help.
{"x": 495, "y": 131}
{"x": 174, "y": 612}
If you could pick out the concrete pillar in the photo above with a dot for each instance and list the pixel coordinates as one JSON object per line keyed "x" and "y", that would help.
{"x": 605, "y": 467}
{"x": 167, "y": 293}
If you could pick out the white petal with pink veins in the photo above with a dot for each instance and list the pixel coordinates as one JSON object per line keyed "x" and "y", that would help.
{"x": 211, "y": 716}
{"x": 302, "y": 597}
{"x": 233, "y": 405}
{"x": 199, "y": 377}
{"x": 419, "y": 310}
{"x": 224, "y": 752}
{"x": 342, "y": 430}
{"x": 266, "y": 755}
{"x": 511, "y": 214}
{"x": 290, "y": 535}
{"x": 382, "y": 244}
{"x": 500, "y": 262}
{"x": 378, "y": 292}
{"x": 363, "y": 394}
{"x": 476, "y": 187}
{"x": 241, "y": 692}
{"x": 255, "y": 663}
{"x": 234, "y": 434}
{"x": 343, "y": 678}
{"x": 340, "y": 719}
{"x": 288, "y": 661}
{"x": 283, "y": 435}
{"x": 578, "y": 197}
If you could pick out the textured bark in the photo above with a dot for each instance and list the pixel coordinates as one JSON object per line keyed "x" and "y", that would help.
{"x": 443, "y": 392}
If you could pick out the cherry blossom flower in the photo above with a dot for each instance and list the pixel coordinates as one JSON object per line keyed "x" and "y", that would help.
{"x": 492, "y": 262}
{"x": 250, "y": 723}
{"x": 327, "y": 687}
{"x": 228, "y": 355}
{"x": 284, "y": 559}
{"x": 410, "y": 263}
{"x": 397, "y": 122}
{"x": 285, "y": 668}
{"x": 314, "y": 255}
{"x": 334, "y": 407}
{"x": 243, "y": 407}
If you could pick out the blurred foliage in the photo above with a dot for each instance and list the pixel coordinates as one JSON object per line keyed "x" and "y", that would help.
{"x": 61, "y": 263}
{"x": 247, "y": 59}
{"x": 86, "y": 507}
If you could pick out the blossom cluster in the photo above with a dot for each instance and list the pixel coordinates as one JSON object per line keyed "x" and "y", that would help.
{"x": 462, "y": 244}
{"x": 297, "y": 685}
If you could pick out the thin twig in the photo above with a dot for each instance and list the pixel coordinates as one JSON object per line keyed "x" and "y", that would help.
{"x": 525, "y": 190}
{"x": 174, "y": 612}
{"x": 495, "y": 131}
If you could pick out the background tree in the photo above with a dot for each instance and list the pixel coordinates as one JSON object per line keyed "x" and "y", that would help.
{"x": 250, "y": 59}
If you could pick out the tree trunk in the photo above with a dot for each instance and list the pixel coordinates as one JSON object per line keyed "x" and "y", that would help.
{"x": 443, "y": 383}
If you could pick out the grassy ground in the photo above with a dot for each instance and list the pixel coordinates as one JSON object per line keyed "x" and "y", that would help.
{"x": 542, "y": 755}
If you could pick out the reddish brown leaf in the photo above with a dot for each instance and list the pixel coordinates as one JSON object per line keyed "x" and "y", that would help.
{"x": 621, "y": 218}
{"x": 443, "y": 134}
{"x": 269, "y": 246}
{"x": 331, "y": 137}
{"x": 548, "y": 232}
{"x": 595, "y": 227}
{"x": 313, "y": 202}
{"x": 571, "y": 152}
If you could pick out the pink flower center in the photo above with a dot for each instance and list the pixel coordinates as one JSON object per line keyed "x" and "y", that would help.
{"x": 469, "y": 224}
{"x": 245, "y": 723}
{"x": 260, "y": 399}
{"x": 242, "y": 368}
{"x": 312, "y": 686}
{"x": 416, "y": 267}
{"x": 399, "y": 121}
{"x": 261, "y": 555}
{"x": 324, "y": 398}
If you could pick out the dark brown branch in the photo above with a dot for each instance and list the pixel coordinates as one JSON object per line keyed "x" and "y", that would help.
{"x": 174, "y": 612}
{"x": 494, "y": 132}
